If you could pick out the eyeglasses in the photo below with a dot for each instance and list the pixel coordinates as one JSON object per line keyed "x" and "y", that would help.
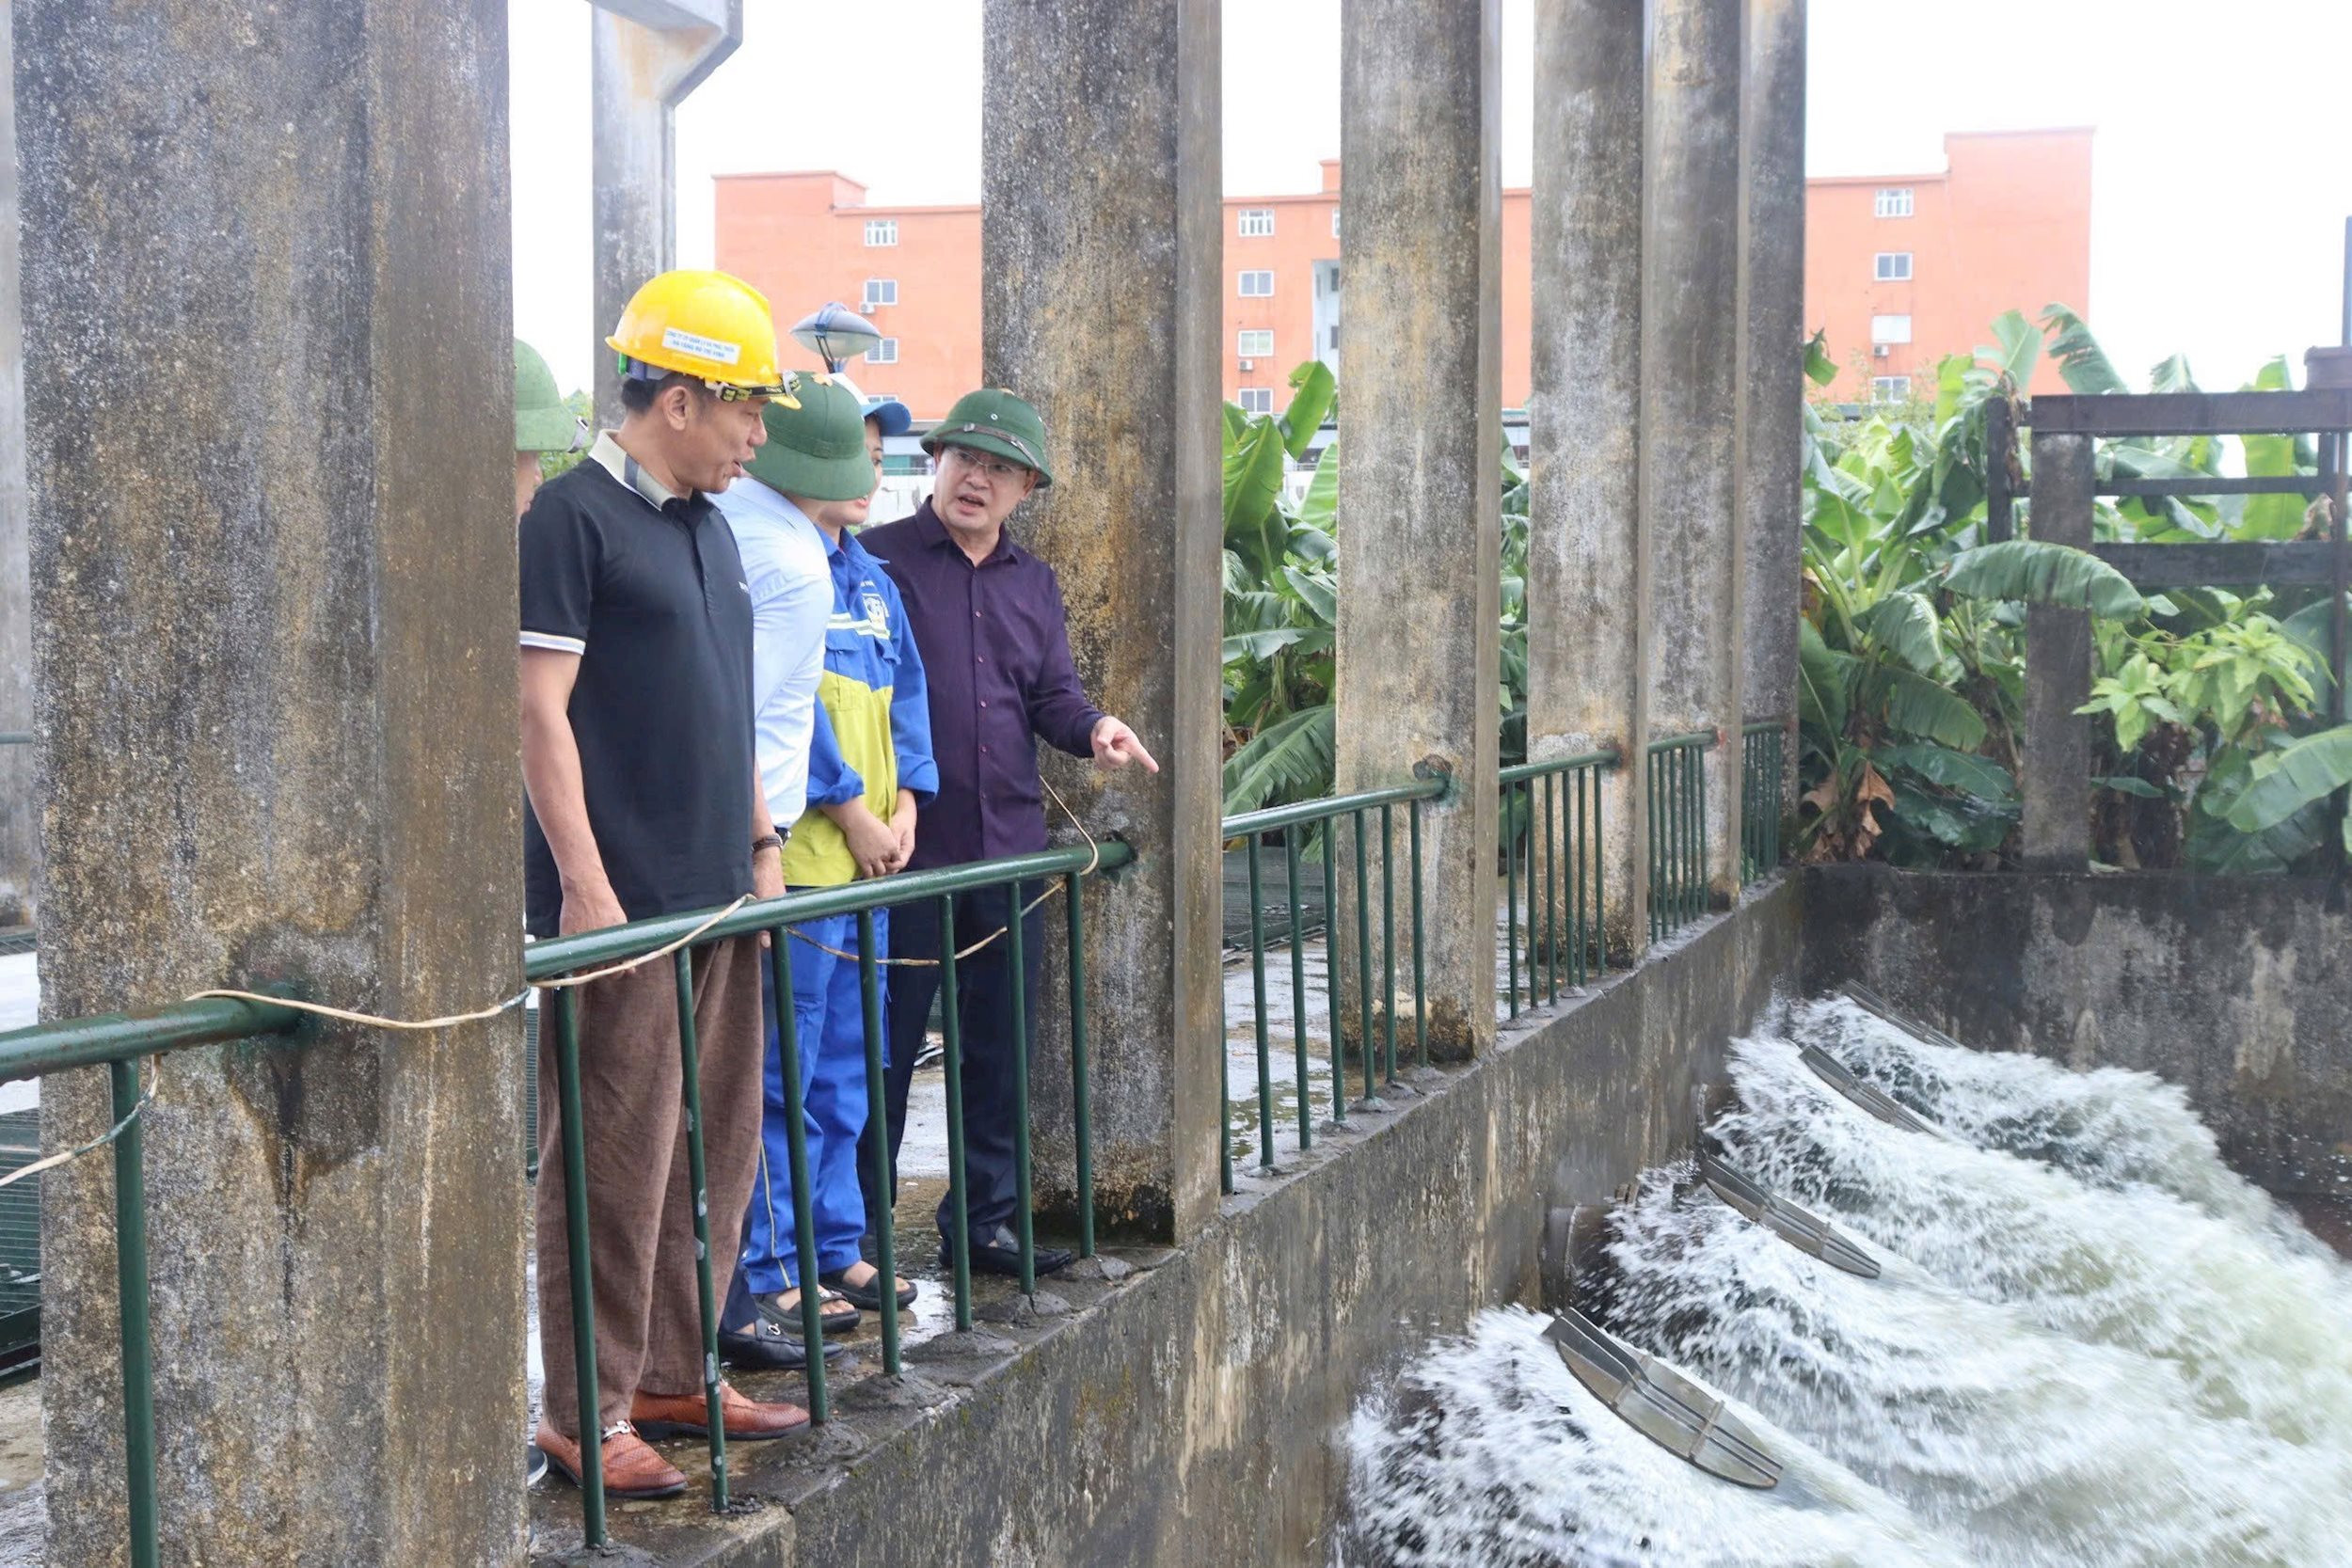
{"x": 995, "y": 468}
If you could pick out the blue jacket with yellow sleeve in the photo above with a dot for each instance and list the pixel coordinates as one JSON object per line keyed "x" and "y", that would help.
{"x": 872, "y": 734}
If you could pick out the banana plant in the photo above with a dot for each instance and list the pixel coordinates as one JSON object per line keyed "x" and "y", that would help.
{"x": 1281, "y": 599}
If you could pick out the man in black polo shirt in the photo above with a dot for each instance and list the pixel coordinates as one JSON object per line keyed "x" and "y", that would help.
{"x": 644, "y": 800}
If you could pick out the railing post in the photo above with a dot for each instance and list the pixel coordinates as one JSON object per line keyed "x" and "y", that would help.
{"x": 2056, "y": 782}
{"x": 1418, "y": 640}
{"x": 274, "y": 650}
{"x": 1772, "y": 377}
{"x": 1690, "y": 180}
{"x": 1101, "y": 303}
{"x": 1587, "y": 551}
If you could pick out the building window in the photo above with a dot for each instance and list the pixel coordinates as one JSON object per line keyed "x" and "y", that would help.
{"x": 884, "y": 352}
{"x": 1893, "y": 202}
{"x": 1893, "y": 267}
{"x": 1890, "y": 329}
{"x": 1257, "y": 285}
{"x": 1335, "y": 223}
{"x": 881, "y": 290}
{"x": 1257, "y": 344}
{"x": 1256, "y": 223}
{"x": 1890, "y": 388}
{"x": 881, "y": 230}
{"x": 1257, "y": 400}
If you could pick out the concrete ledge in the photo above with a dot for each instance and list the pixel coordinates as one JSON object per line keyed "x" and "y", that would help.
{"x": 2238, "y": 989}
{"x": 1194, "y": 1411}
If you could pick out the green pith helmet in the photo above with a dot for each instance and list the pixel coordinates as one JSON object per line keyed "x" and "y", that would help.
{"x": 541, "y": 423}
{"x": 817, "y": 450}
{"x": 994, "y": 421}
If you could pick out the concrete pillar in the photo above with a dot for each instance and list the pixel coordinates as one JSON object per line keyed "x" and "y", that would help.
{"x": 1421, "y": 434}
{"x": 267, "y": 319}
{"x": 2056, "y": 782}
{"x": 20, "y": 816}
{"x": 1588, "y": 556}
{"x": 645, "y": 55}
{"x": 1101, "y": 178}
{"x": 1689, "y": 396}
{"x": 1771, "y": 378}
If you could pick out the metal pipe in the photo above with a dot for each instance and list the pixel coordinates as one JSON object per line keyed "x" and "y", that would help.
{"x": 1081, "y": 1089}
{"x": 591, "y": 1415}
{"x": 1025, "y": 1222}
{"x": 885, "y": 1223}
{"x": 112, "y": 1038}
{"x": 131, "y": 1294}
{"x": 1257, "y": 983}
{"x": 1298, "y": 991}
{"x": 1334, "y": 997}
{"x": 796, "y": 1152}
{"x": 1387, "y": 944}
{"x": 697, "y": 1174}
{"x": 958, "y": 1193}
{"x": 1363, "y": 954}
{"x": 543, "y": 960}
{"x": 1421, "y": 1011}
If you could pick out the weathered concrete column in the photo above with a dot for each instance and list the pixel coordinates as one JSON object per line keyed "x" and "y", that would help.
{"x": 1419, "y": 493}
{"x": 1771, "y": 378}
{"x": 1101, "y": 178}
{"x": 268, "y": 323}
{"x": 1689, "y": 396}
{"x": 647, "y": 55}
{"x": 1587, "y": 555}
{"x": 2056, "y": 782}
{"x": 19, "y": 813}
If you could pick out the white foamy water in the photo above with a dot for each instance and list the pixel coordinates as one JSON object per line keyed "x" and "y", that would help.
{"x": 2091, "y": 1345}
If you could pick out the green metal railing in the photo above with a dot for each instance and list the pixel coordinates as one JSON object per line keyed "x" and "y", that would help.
{"x": 120, "y": 1042}
{"x": 1763, "y": 758}
{"x": 123, "y": 1042}
{"x": 1020, "y": 875}
{"x": 1376, "y": 1039}
{"x": 1550, "y": 805}
{"x": 1677, "y": 832}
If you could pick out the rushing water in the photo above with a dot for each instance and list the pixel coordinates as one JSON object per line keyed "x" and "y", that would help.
{"x": 2091, "y": 1345}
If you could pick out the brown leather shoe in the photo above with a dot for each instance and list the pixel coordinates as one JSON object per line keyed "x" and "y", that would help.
{"x": 688, "y": 1415}
{"x": 631, "y": 1467}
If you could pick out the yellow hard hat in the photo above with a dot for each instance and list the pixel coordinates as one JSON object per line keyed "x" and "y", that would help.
{"x": 710, "y": 325}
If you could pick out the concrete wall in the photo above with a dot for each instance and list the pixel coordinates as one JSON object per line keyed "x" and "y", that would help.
{"x": 1196, "y": 1413}
{"x": 2237, "y": 988}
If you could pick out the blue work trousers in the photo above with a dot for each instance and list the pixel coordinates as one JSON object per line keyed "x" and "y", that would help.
{"x": 829, "y": 1013}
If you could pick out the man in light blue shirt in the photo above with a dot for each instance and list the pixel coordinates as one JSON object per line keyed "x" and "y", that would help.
{"x": 785, "y": 564}
{"x": 787, "y": 569}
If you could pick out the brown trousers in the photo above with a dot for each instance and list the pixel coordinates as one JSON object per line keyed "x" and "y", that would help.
{"x": 641, "y": 1200}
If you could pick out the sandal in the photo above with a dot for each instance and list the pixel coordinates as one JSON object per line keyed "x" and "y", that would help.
{"x": 835, "y": 1313}
{"x": 867, "y": 1295}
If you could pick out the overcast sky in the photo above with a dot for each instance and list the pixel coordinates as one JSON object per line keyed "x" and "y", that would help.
{"x": 2221, "y": 181}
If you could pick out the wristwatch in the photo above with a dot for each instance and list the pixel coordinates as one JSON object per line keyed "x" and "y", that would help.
{"x": 768, "y": 841}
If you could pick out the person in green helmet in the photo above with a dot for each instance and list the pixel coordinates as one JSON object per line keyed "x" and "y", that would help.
{"x": 542, "y": 422}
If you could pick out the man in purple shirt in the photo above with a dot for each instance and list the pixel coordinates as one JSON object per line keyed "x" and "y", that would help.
{"x": 987, "y": 620}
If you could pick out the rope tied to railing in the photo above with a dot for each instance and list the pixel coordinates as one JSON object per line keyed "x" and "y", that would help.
{"x": 147, "y": 1095}
{"x": 1094, "y": 862}
{"x": 479, "y": 1015}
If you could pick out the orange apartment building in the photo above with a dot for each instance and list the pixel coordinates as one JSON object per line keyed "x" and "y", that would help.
{"x": 1899, "y": 269}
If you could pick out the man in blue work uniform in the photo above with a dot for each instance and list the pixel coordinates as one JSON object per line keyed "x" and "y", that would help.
{"x": 869, "y": 765}
{"x": 989, "y": 618}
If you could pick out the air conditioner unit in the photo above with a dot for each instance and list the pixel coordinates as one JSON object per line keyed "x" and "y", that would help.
{"x": 1249, "y": 364}
{"x": 1880, "y": 350}
{"x": 866, "y": 307}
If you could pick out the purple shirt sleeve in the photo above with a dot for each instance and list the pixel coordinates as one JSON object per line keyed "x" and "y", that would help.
{"x": 1058, "y": 709}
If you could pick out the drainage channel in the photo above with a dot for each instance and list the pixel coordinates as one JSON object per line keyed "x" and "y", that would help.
{"x": 1909, "y": 1304}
